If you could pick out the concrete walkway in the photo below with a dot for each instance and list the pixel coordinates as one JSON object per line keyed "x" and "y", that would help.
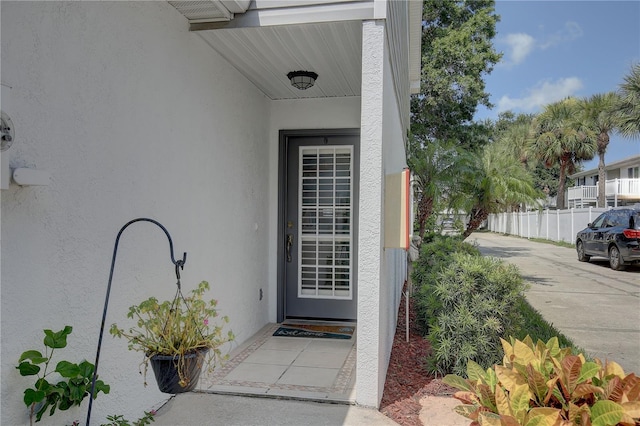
{"x": 200, "y": 409}
{"x": 596, "y": 307}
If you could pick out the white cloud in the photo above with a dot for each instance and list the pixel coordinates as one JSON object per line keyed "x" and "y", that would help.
{"x": 541, "y": 94}
{"x": 520, "y": 45}
{"x": 570, "y": 32}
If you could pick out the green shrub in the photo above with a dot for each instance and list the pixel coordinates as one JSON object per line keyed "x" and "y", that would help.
{"x": 73, "y": 382}
{"x": 479, "y": 305}
{"x": 543, "y": 385}
{"x": 435, "y": 254}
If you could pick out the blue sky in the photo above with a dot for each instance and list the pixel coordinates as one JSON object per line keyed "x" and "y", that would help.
{"x": 555, "y": 49}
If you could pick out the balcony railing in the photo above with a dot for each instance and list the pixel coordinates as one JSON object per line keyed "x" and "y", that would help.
{"x": 583, "y": 192}
{"x": 615, "y": 189}
{"x": 622, "y": 187}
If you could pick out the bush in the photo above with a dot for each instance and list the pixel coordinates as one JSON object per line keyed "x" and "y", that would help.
{"x": 478, "y": 299}
{"x": 543, "y": 385}
{"x": 435, "y": 255}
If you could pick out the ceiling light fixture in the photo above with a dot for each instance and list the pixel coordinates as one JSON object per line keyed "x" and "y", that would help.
{"x": 302, "y": 79}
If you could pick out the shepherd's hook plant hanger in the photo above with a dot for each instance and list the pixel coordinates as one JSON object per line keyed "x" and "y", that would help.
{"x": 179, "y": 264}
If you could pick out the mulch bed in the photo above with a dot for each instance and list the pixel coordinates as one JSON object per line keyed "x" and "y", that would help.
{"x": 407, "y": 380}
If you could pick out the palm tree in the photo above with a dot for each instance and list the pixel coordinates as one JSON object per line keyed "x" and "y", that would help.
{"x": 433, "y": 165}
{"x": 560, "y": 138}
{"x": 516, "y": 136}
{"x": 598, "y": 114}
{"x": 628, "y": 110}
{"x": 496, "y": 184}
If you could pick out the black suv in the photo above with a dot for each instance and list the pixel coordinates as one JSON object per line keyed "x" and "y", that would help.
{"x": 614, "y": 234}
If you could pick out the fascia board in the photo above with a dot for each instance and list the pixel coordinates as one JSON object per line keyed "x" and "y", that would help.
{"x": 317, "y": 13}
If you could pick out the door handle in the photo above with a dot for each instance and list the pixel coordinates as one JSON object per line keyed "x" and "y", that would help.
{"x": 289, "y": 244}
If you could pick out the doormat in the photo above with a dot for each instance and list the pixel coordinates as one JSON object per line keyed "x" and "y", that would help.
{"x": 315, "y": 330}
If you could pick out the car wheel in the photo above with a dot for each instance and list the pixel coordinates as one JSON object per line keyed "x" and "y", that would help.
{"x": 615, "y": 260}
{"x": 582, "y": 257}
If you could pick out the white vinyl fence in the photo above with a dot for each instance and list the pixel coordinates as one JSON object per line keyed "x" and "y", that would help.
{"x": 554, "y": 225}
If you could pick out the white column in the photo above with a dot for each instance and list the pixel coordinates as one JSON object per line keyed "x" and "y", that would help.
{"x": 370, "y": 368}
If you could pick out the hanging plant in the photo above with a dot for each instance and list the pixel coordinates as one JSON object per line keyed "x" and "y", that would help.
{"x": 185, "y": 333}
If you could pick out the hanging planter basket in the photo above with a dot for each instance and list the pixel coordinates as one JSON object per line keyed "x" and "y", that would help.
{"x": 178, "y": 374}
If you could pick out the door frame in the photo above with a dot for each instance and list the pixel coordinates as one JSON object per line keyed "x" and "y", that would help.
{"x": 283, "y": 147}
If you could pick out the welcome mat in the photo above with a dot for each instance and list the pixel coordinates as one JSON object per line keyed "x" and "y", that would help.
{"x": 315, "y": 330}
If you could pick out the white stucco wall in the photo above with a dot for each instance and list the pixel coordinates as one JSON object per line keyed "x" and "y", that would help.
{"x": 369, "y": 384}
{"x": 133, "y": 116}
{"x": 380, "y": 272}
{"x": 395, "y": 260}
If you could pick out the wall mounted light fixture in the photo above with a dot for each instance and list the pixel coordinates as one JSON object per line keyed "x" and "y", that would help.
{"x": 302, "y": 79}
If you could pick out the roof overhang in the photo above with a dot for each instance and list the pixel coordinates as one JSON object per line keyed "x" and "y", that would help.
{"x": 632, "y": 161}
{"x": 266, "y": 39}
{"x": 207, "y": 11}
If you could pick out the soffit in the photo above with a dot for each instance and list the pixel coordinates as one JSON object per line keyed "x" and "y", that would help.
{"x": 264, "y": 55}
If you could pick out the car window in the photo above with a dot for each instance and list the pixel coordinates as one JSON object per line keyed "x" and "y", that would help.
{"x": 618, "y": 218}
{"x": 634, "y": 221}
{"x": 599, "y": 221}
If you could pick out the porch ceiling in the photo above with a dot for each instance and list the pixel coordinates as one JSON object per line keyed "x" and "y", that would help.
{"x": 265, "y": 55}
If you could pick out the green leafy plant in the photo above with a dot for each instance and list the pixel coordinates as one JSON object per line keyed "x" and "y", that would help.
{"x": 435, "y": 254}
{"x": 177, "y": 328}
{"x": 119, "y": 420}
{"x": 75, "y": 379}
{"x": 478, "y": 297}
{"x": 542, "y": 384}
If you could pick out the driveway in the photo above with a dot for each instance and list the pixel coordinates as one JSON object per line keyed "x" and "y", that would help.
{"x": 598, "y": 308}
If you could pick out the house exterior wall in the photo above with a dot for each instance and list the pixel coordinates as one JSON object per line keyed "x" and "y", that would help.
{"x": 613, "y": 174}
{"x": 395, "y": 260}
{"x": 369, "y": 360}
{"x": 133, "y": 116}
{"x": 618, "y": 169}
{"x": 379, "y": 271}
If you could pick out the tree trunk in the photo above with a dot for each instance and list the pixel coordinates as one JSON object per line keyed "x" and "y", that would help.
{"x": 602, "y": 201}
{"x": 603, "y": 141}
{"x": 425, "y": 210}
{"x": 560, "y": 201}
{"x": 477, "y": 217}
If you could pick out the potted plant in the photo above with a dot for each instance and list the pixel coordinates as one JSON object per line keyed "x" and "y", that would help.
{"x": 178, "y": 337}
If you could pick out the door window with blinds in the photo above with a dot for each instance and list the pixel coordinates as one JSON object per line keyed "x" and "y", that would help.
{"x": 325, "y": 225}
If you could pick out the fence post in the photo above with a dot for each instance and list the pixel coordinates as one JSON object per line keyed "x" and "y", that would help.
{"x": 573, "y": 232}
{"x": 521, "y": 223}
{"x": 546, "y": 220}
{"x": 528, "y": 226}
{"x": 557, "y": 225}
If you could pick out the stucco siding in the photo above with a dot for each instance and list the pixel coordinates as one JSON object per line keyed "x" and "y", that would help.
{"x": 133, "y": 116}
{"x": 394, "y": 162}
{"x": 371, "y": 218}
{"x": 376, "y": 304}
